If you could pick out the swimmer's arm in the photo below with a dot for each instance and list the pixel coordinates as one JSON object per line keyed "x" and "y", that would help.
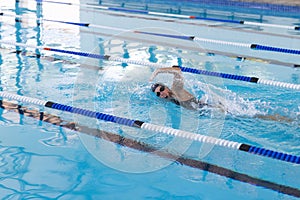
{"x": 178, "y": 78}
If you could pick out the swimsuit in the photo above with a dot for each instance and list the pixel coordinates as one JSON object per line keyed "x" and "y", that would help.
{"x": 192, "y": 104}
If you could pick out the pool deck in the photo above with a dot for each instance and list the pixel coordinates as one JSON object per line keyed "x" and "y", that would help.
{"x": 279, "y": 2}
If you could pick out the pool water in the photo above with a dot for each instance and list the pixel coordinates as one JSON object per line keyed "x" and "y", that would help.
{"x": 41, "y": 160}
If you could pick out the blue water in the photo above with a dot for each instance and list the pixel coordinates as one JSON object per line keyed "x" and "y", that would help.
{"x": 43, "y": 161}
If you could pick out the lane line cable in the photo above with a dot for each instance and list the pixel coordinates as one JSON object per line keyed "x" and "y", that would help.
{"x": 147, "y": 148}
{"x": 156, "y": 65}
{"x": 156, "y": 128}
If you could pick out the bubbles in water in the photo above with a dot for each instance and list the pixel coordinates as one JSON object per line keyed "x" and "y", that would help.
{"x": 228, "y": 100}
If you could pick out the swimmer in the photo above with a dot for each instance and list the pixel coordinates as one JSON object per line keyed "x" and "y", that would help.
{"x": 176, "y": 94}
{"x": 180, "y": 96}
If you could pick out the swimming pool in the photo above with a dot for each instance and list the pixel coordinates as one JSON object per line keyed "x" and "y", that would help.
{"x": 47, "y": 158}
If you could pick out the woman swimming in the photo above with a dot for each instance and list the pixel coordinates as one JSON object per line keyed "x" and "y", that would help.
{"x": 178, "y": 95}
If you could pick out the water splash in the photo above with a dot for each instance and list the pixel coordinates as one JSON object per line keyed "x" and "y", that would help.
{"x": 229, "y": 101}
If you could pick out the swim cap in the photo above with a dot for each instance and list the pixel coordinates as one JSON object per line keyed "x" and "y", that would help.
{"x": 154, "y": 86}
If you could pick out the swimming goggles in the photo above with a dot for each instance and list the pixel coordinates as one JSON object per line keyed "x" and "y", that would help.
{"x": 161, "y": 89}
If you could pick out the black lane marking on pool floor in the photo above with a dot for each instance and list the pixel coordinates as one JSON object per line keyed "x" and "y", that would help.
{"x": 53, "y": 59}
{"x": 130, "y": 143}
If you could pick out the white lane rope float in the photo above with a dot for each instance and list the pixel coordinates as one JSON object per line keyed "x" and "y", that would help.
{"x": 252, "y": 46}
{"x": 156, "y": 128}
{"x": 156, "y": 65}
{"x": 240, "y": 58}
{"x": 231, "y": 55}
{"x": 144, "y": 147}
{"x": 179, "y": 16}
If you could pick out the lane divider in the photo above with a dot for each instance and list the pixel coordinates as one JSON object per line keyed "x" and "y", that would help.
{"x": 238, "y": 57}
{"x": 184, "y": 22}
{"x": 221, "y": 42}
{"x": 181, "y": 16}
{"x": 156, "y": 128}
{"x": 191, "y": 38}
{"x": 19, "y": 18}
{"x": 143, "y": 147}
{"x": 156, "y": 65}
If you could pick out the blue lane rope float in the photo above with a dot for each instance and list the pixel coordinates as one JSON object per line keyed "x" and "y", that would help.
{"x": 180, "y": 16}
{"x": 18, "y": 18}
{"x": 238, "y": 44}
{"x": 89, "y": 25}
{"x": 156, "y": 65}
{"x": 156, "y": 128}
{"x": 275, "y": 49}
{"x": 190, "y": 38}
{"x": 237, "y": 58}
{"x": 212, "y": 52}
{"x": 218, "y": 74}
{"x": 144, "y": 147}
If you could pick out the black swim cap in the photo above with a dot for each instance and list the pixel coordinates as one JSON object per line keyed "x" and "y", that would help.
{"x": 154, "y": 86}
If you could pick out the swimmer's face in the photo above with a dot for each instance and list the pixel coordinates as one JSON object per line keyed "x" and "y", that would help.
{"x": 162, "y": 91}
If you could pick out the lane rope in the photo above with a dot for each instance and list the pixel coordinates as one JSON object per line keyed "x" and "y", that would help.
{"x": 156, "y": 128}
{"x": 180, "y": 16}
{"x": 226, "y": 43}
{"x": 156, "y": 65}
{"x": 143, "y": 147}
{"x": 191, "y": 38}
{"x": 237, "y": 57}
